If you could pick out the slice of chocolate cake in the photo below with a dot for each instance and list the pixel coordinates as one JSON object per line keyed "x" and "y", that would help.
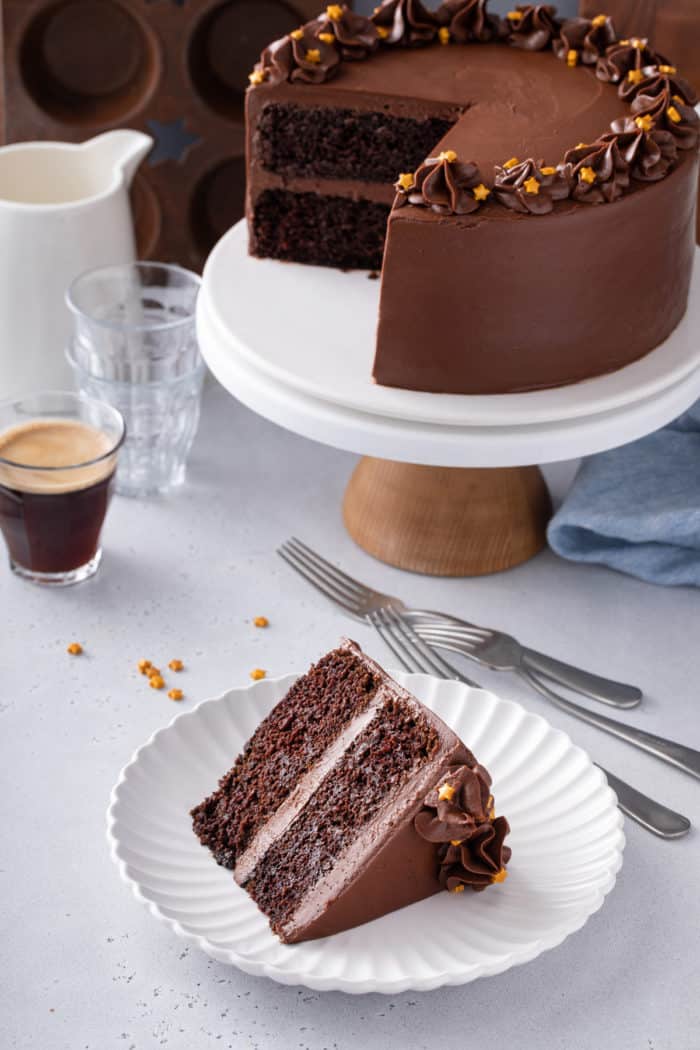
{"x": 350, "y": 800}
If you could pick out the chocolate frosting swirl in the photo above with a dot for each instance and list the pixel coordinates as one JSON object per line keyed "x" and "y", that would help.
{"x": 444, "y": 184}
{"x": 670, "y": 113}
{"x": 654, "y": 80}
{"x": 650, "y": 155}
{"x": 535, "y": 29}
{"x": 469, "y": 838}
{"x": 532, "y": 188}
{"x": 407, "y": 22}
{"x": 589, "y": 38}
{"x": 600, "y": 172}
{"x": 468, "y": 20}
{"x": 355, "y": 35}
{"x": 300, "y": 56}
{"x": 626, "y": 56}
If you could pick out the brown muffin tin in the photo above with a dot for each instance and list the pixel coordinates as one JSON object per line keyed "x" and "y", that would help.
{"x": 176, "y": 69}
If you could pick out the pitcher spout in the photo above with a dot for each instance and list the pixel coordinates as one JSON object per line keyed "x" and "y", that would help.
{"x": 119, "y": 151}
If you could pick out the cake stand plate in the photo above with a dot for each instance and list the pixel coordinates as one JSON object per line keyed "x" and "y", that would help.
{"x": 431, "y": 496}
{"x": 319, "y": 339}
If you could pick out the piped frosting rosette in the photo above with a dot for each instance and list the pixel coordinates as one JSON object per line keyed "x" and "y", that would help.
{"x": 458, "y": 817}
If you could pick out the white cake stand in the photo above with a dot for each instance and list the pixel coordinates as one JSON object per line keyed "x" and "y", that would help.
{"x": 445, "y": 485}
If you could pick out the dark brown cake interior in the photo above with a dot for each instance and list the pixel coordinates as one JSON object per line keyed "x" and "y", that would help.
{"x": 321, "y": 230}
{"x": 316, "y": 142}
{"x": 397, "y": 742}
{"x": 283, "y": 748}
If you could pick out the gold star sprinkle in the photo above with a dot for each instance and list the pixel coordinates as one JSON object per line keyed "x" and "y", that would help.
{"x": 679, "y": 100}
{"x": 257, "y": 673}
{"x": 448, "y": 155}
{"x": 514, "y": 16}
{"x": 531, "y": 185}
{"x": 75, "y": 649}
{"x": 668, "y": 70}
{"x": 587, "y": 175}
{"x": 155, "y": 681}
{"x": 599, "y": 21}
{"x": 571, "y": 58}
{"x": 297, "y": 34}
{"x": 639, "y": 44}
{"x": 581, "y": 145}
{"x": 459, "y": 888}
{"x": 327, "y": 38}
{"x": 548, "y": 170}
{"x": 446, "y": 793}
{"x": 406, "y": 181}
{"x": 258, "y": 76}
{"x": 455, "y": 842}
{"x": 334, "y": 12}
{"x": 313, "y": 55}
{"x": 176, "y": 665}
{"x": 645, "y": 122}
{"x": 444, "y": 35}
{"x": 500, "y": 876}
{"x": 383, "y": 32}
{"x": 512, "y": 163}
{"x": 176, "y": 694}
{"x": 624, "y": 43}
{"x": 673, "y": 115}
{"x": 261, "y": 621}
{"x": 635, "y": 76}
{"x": 481, "y": 192}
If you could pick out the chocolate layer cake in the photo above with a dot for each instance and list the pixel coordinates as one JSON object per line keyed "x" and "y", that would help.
{"x": 350, "y": 800}
{"x": 538, "y": 177}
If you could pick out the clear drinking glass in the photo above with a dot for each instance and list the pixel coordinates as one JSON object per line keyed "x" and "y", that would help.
{"x": 58, "y": 454}
{"x": 135, "y": 346}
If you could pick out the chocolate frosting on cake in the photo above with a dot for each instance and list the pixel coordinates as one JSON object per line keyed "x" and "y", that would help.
{"x": 450, "y": 261}
{"x": 458, "y": 817}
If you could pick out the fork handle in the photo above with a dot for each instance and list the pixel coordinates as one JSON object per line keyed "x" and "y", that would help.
{"x": 606, "y": 690}
{"x": 651, "y": 815}
{"x": 675, "y": 754}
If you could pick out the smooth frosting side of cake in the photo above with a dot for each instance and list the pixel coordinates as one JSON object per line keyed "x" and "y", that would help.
{"x": 479, "y": 305}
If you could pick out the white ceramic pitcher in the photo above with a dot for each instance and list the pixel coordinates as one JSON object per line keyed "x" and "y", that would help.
{"x": 64, "y": 209}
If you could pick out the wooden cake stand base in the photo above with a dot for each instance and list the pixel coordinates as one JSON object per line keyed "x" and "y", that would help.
{"x": 447, "y": 521}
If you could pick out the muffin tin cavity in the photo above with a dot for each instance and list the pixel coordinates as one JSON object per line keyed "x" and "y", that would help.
{"x": 217, "y": 202}
{"x": 88, "y": 62}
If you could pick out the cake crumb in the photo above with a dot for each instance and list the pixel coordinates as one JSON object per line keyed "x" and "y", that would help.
{"x": 155, "y": 681}
{"x": 257, "y": 674}
{"x": 261, "y": 621}
{"x": 75, "y": 649}
{"x": 176, "y": 665}
{"x": 176, "y": 694}
{"x": 373, "y": 275}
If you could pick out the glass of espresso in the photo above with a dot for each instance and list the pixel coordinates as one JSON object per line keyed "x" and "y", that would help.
{"x": 58, "y": 455}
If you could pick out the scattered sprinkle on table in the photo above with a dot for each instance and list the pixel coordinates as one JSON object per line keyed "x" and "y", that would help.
{"x": 176, "y": 694}
{"x": 75, "y": 649}
{"x": 143, "y": 666}
{"x": 261, "y": 621}
{"x": 155, "y": 681}
{"x": 176, "y": 665}
{"x": 257, "y": 674}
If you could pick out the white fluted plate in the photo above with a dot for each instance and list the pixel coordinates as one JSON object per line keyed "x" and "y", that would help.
{"x": 567, "y": 842}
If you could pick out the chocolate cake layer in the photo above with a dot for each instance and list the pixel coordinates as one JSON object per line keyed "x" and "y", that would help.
{"x": 397, "y": 742}
{"x": 320, "y": 229}
{"x": 342, "y": 143}
{"x": 283, "y": 748}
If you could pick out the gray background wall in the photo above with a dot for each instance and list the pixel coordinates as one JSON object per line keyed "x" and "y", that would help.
{"x": 565, "y": 7}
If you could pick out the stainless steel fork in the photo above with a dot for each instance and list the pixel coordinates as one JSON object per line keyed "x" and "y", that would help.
{"x": 357, "y": 599}
{"x": 410, "y": 650}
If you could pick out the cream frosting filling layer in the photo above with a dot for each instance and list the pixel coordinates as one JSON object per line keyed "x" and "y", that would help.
{"x": 295, "y": 802}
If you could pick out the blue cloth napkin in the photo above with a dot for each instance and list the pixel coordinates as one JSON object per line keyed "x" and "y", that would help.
{"x": 637, "y": 508}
